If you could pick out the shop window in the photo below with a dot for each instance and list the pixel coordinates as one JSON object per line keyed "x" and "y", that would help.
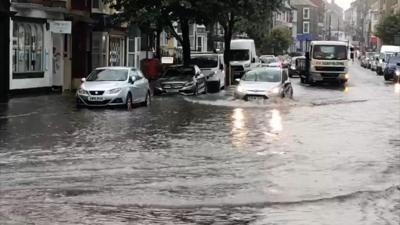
{"x": 27, "y": 48}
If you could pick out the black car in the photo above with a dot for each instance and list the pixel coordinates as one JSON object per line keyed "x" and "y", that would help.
{"x": 293, "y": 66}
{"x": 392, "y": 68}
{"x": 186, "y": 80}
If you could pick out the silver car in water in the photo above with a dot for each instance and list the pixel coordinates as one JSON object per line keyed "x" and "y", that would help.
{"x": 114, "y": 86}
{"x": 264, "y": 83}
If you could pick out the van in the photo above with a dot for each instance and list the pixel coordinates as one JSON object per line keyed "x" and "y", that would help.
{"x": 386, "y": 52}
{"x": 212, "y": 66}
{"x": 243, "y": 57}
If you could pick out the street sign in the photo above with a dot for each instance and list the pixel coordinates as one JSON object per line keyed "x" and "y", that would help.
{"x": 61, "y": 27}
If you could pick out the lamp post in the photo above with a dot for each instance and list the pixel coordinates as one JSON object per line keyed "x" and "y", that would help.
{"x": 5, "y": 50}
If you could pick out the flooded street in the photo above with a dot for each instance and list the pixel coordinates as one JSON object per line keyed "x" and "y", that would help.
{"x": 330, "y": 156}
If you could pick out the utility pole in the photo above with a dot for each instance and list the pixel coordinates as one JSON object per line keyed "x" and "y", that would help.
{"x": 5, "y": 50}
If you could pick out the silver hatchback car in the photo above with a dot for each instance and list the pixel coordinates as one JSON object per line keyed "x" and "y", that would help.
{"x": 114, "y": 86}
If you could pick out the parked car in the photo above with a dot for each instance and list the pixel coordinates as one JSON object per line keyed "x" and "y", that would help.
{"x": 266, "y": 57}
{"x": 264, "y": 83}
{"x": 186, "y": 80}
{"x": 374, "y": 62}
{"x": 392, "y": 68}
{"x": 364, "y": 61}
{"x": 293, "y": 66}
{"x": 271, "y": 62}
{"x": 114, "y": 86}
{"x": 212, "y": 66}
{"x": 383, "y": 59}
{"x": 369, "y": 58}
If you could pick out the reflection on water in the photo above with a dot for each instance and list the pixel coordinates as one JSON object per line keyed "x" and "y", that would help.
{"x": 276, "y": 122}
{"x": 397, "y": 88}
{"x": 346, "y": 90}
{"x": 239, "y": 130}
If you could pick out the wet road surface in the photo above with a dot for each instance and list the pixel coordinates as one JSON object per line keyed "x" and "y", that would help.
{"x": 330, "y": 156}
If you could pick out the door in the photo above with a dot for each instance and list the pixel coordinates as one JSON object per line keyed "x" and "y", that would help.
{"x": 138, "y": 88}
{"x": 57, "y": 60}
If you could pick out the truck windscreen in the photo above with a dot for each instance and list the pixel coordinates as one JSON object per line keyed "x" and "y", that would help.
{"x": 330, "y": 52}
{"x": 240, "y": 55}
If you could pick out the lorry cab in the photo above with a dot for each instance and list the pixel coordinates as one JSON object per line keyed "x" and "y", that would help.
{"x": 327, "y": 61}
{"x": 243, "y": 57}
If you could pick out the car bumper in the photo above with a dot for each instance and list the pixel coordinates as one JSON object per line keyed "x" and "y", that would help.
{"x": 103, "y": 100}
{"x": 256, "y": 95}
{"x": 329, "y": 77}
{"x": 185, "y": 90}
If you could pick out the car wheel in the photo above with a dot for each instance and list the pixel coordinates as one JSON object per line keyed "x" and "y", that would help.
{"x": 386, "y": 76}
{"x": 147, "y": 102}
{"x": 129, "y": 104}
{"x": 205, "y": 88}
{"x": 291, "y": 93}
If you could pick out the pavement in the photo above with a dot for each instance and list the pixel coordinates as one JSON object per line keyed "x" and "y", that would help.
{"x": 329, "y": 156}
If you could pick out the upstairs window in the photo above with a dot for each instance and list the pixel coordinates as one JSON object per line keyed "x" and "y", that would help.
{"x": 306, "y": 13}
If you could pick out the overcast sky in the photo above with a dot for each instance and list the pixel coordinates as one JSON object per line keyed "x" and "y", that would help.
{"x": 345, "y": 4}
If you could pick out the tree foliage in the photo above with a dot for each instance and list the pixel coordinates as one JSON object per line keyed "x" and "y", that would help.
{"x": 277, "y": 42}
{"x": 389, "y": 28}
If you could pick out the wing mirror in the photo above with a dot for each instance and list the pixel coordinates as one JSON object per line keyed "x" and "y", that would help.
{"x": 131, "y": 80}
{"x": 221, "y": 66}
{"x": 237, "y": 80}
{"x": 253, "y": 60}
{"x": 83, "y": 80}
{"x": 398, "y": 64}
{"x": 352, "y": 55}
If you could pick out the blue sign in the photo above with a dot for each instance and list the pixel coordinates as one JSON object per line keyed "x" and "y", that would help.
{"x": 305, "y": 37}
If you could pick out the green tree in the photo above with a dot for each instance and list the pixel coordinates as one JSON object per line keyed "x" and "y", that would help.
{"x": 160, "y": 15}
{"x": 228, "y": 13}
{"x": 388, "y": 29}
{"x": 278, "y": 41}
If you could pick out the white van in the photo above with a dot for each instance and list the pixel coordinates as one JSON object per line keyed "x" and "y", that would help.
{"x": 212, "y": 66}
{"x": 386, "y": 52}
{"x": 243, "y": 57}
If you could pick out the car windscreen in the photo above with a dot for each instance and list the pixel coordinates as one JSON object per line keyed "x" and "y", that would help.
{"x": 269, "y": 60}
{"x": 330, "y": 52}
{"x": 267, "y": 75}
{"x": 394, "y": 59}
{"x": 240, "y": 55}
{"x": 179, "y": 72}
{"x": 205, "y": 61}
{"x": 108, "y": 75}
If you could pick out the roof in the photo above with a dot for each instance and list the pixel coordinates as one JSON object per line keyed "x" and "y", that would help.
{"x": 303, "y": 2}
{"x": 115, "y": 68}
{"x": 330, "y": 43}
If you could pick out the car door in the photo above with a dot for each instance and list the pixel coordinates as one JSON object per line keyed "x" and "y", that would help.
{"x": 285, "y": 84}
{"x": 201, "y": 79}
{"x": 136, "y": 87}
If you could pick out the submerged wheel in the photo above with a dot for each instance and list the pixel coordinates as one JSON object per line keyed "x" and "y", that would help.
{"x": 129, "y": 104}
{"x": 147, "y": 102}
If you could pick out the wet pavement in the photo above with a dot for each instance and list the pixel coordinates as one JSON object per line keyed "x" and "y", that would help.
{"x": 330, "y": 156}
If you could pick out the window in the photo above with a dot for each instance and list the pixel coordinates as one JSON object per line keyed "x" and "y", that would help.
{"x": 306, "y": 27}
{"x": 199, "y": 44}
{"x": 99, "y": 50}
{"x": 27, "y": 47}
{"x": 96, "y": 4}
{"x": 306, "y": 13}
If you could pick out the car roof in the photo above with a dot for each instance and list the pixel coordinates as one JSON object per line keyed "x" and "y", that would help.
{"x": 339, "y": 43}
{"x": 115, "y": 68}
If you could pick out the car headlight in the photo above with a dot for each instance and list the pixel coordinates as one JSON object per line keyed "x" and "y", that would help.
{"x": 247, "y": 65}
{"x": 274, "y": 90}
{"x": 114, "y": 91}
{"x": 212, "y": 74}
{"x": 188, "y": 84}
{"x": 397, "y": 73}
{"x": 82, "y": 92}
{"x": 347, "y": 76}
{"x": 240, "y": 89}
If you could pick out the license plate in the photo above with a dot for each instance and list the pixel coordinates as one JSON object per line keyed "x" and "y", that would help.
{"x": 255, "y": 98}
{"x": 172, "y": 91}
{"x": 96, "y": 99}
{"x": 317, "y": 78}
{"x": 167, "y": 86}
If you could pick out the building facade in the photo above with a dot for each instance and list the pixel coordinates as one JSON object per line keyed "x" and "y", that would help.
{"x": 286, "y": 17}
{"x": 4, "y": 50}
{"x": 310, "y": 21}
{"x": 38, "y": 32}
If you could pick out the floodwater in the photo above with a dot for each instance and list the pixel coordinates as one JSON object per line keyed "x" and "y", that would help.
{"x": 330, "y": 156}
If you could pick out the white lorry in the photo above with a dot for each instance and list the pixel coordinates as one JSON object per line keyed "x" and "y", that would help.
{"x": 243, "y": 57}
{"x": 327, "y": 61}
